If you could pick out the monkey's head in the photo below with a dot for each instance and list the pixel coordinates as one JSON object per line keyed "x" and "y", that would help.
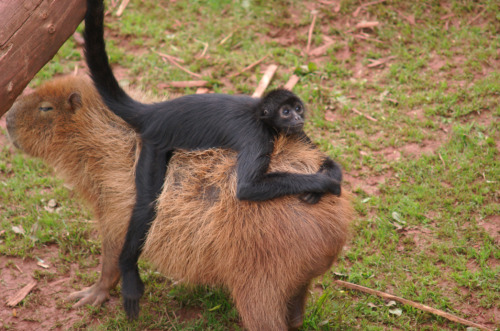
{"x": 282, "y": 110}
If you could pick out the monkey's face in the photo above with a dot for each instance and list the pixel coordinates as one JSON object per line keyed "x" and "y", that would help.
{"x": 289, "y": 118}
{"x": 33, "y": 119}
{"x": 283, "y": 111}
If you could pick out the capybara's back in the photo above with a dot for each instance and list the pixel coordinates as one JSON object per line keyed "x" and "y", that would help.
{"x": 266, "y": 253}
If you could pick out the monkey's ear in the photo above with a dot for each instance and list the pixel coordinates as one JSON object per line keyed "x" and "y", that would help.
{"x": 265, "y": 112}
{"x": 75, "y": 101}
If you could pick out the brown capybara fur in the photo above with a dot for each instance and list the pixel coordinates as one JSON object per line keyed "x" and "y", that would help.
{"x": 264, "y": 253}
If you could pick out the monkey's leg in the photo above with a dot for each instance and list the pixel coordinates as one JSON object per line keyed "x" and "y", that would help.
{"x": 98, "y": 293}
{"x": 296, "y": 308}
{"x": 150, "y": 175}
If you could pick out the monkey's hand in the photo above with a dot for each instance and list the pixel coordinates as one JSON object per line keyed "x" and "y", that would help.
{"x": 311, "y": 198}
{"x": 333, "y": 186}
{"x": 132, "y": 291}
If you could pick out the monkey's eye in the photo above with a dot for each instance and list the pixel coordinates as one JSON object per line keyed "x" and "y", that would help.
{"x": 298, "y": 109}
{"x": 286, "y": 111}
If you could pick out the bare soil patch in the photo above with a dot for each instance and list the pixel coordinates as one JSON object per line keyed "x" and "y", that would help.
{"x": 43, "y": 308}
{"x": 491, "y": 225}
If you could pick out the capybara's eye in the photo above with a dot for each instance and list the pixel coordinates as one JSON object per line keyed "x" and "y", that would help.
{"x": 45, "y": 108}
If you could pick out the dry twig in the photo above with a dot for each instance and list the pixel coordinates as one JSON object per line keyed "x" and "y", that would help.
{"x": 249, "y": 67}
{"x": 60, "y": 281}
{"x": 410, "y": 18}
{"x": 264, "y": 82}
{"x": 376, "y": 63}
{"x": 166, "y": 56}
{"x": 170, "y": 59}
{"x": 205, "y": 48}
{"x": 442, "y": 160}
{"x": 182, "y": 84}
{"x": 447, "y": 16}
{"x": 309, "y": 35}
{"x": 476, "y": 17}
{"x": 365, "y": 115}
{"x": 328, "y": 3}
{"x": 410, "y": 303}
{"x": 360, "y": 36}
{"x": 122, "y": 7}
{"x": 226, "y": 38}
{"x": 202, "y": 90}
{"x": 321, "y": 49}
{"x": 291, "y": 82}
{"x": 369, "y": 25}
{"x": 356, "y": 12}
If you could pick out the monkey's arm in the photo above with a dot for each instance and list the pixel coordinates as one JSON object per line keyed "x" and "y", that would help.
{"x": 150, "y": 175}
{"x": 257, "y": 185}
{"x": 328, "y": 167}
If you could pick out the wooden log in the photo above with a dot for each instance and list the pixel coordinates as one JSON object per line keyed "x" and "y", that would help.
{"x": 31, "y": 33}
{"x": 21, "y": 294}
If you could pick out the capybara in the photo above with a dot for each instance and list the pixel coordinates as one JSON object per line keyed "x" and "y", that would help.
{"x": 264, "y": 253}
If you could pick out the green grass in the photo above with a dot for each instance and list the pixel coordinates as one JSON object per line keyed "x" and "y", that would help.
{"x": 418, "y": 233}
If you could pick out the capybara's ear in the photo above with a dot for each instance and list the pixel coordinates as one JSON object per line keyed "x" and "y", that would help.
{"x": 75, "y": 101}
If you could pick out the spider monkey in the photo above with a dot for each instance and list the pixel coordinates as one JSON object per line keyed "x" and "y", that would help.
{"x": 200, "y": 121}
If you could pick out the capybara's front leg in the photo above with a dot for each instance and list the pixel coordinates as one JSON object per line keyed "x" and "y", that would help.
{"x": 98, "y": 293}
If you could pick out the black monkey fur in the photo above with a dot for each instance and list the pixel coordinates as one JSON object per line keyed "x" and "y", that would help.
{"x": 247, "y": 125}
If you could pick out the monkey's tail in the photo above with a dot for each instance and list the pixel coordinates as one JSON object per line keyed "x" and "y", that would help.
{"x": 97, "y": 60}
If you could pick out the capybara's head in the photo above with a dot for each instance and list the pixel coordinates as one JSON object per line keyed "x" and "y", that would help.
{"x": 50, "y": 122}
{"x": 33, "y": 119}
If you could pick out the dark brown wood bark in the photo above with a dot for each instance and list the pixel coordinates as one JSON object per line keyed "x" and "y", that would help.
{"x": 31, "y": 33}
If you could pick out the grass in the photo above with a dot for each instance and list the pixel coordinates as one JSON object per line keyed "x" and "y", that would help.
{"x": 426, "y": 175}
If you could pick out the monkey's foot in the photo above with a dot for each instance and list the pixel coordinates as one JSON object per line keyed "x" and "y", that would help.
{"x": 132, "y": 291}
{"x": 94, "y": 295}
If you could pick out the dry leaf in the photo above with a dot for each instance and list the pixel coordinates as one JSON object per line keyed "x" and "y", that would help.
{"x": 397, "y": 217}
{"x": 18, "y": 229}
{"x": 325, "y": 322}
{"x": 330, "y": 116}
{"x": 43, "y": 265}
{"x": 396, "y": 311}
{"x": 390, "y": 303}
